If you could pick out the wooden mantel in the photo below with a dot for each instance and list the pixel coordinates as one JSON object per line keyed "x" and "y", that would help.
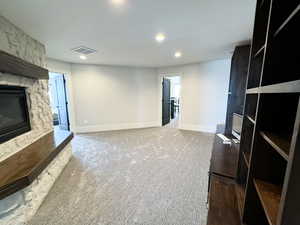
{"x": 16, "y": 66}
{"x": 21, "y": 169}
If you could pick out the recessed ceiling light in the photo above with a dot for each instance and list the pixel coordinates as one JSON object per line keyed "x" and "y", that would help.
{"x": 83, "y": 57}
{"x": 118, "y": 2}
{"x": 160, "y": 37}
{"x": 178, "y": 54}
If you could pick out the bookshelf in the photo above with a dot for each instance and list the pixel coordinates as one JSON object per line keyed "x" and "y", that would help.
{"x": 269, "y": 162}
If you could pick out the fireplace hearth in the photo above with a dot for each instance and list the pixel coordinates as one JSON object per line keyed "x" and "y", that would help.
{"x": 14, "y": 114}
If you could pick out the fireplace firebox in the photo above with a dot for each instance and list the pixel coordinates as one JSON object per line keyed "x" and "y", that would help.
{"x": 14, "y": 115}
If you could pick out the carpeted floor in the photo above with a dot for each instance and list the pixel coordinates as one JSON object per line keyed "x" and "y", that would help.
{"x": 155, "y": 176}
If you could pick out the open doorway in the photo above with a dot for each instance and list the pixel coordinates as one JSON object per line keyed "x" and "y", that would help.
{"x": 171, "y": 101}
{"x": 58, "y": 101}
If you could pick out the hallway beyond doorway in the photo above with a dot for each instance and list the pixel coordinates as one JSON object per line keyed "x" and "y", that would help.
{"x": 175, "y": 88}
{"x": 174, "y": 123}
{"x": 58, "y": 101}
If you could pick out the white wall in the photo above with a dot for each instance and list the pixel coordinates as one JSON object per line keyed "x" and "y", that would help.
{"x": 111, "y": 97}
{"x": 204, "y": 88}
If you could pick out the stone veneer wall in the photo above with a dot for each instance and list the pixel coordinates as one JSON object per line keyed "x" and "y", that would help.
{"x": 18, "y": 209}
{"x": 16, "y": 42}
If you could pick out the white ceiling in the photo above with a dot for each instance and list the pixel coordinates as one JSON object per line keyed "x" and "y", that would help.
{"x": 125, "y": 35}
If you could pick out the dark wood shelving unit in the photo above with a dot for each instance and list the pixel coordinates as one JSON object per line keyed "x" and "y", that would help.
{"x": 253, "y": 90}
{"x": 250, "y": 108}
{"x": 261, "y": 3}
{"x": 269, "y": 195}
{"x": 279, "y": 142}
{"x": 269, "y": 162}
{"x": 256, "y": 68}
{"x": 246, "y": 143}
{"x": 260, "y": 51}
{"x": 246, "y": 157}
{"x": 282, "y": 51}
{"x": 292, "y": 15}
{"x": 286, "y": 87}
{"x": 240, "y": 196}
{"x": 251, "y": 119}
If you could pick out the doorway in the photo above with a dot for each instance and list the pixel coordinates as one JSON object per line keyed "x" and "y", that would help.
{"x": 166, "y": 101}
{"x": 58, "y": 101}
{"x": 171, "y": 101}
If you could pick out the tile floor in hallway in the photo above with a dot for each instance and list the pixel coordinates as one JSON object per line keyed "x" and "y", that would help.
{"x": 154, "y": 176}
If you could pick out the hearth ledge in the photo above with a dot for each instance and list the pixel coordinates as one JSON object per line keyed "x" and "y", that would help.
{"x": 19, "y": 207}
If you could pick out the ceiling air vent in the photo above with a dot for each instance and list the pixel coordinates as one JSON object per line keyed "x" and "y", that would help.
{"x": 84, "y": 50}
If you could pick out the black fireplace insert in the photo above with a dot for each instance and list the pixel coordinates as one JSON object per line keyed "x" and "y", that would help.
{"x": 14, "y": 115}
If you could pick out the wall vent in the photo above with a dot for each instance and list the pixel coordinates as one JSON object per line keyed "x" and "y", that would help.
{"x": 84, "y": 50}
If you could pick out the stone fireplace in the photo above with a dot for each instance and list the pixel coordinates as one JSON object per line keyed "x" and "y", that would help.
{"x": 39, "y": 112}
{"x": 19, "y": 207}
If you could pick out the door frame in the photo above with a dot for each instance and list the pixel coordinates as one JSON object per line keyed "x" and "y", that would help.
{"x": 67, "y": 101}
{"x": 160, "y": 81}
{"x": 69, "y": 96}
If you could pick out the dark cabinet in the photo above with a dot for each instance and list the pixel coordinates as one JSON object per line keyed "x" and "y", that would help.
{"x": 237, "y": 84}
{"x": 223, "y": 199}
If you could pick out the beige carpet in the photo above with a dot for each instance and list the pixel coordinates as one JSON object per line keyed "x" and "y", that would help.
{"x": 155, "y": 176}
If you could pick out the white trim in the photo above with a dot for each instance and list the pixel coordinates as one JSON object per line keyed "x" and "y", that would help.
{"x": 71, "y": 106}
{"x": 120, "y": 126}
{"x": 200, "y": 128}
{"x": 65, "y": 68}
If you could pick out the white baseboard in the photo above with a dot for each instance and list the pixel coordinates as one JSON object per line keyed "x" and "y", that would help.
{"x": 200, "y": 128}
{"x": 120, "y": 126}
